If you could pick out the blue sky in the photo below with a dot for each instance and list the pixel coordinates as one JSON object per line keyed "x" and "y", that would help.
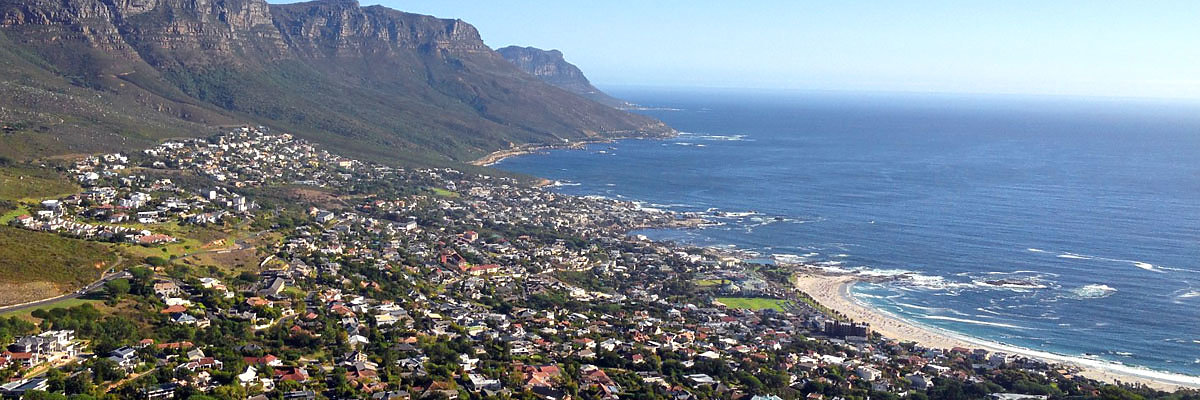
{"x": 1093, "y": 48}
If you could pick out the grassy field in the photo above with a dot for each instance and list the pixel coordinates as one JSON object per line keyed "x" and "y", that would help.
{"x": 753, "y": 303}
{"x": 30, "y": 184}
{"x": 191, "y": 238}
{"x": 36, "y": 265}
{"x": 10, "y": 215}
{"x": 27, "y": 255}
{"x": 65, "y": 303}
{"x": 710, "y": 282}
{"x": 443, "y": 192}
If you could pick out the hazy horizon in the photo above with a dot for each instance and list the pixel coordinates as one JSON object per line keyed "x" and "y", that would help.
{"x": 1122, "y": 49}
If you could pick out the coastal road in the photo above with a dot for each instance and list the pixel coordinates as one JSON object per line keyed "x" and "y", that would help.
{"x": 78, "y": 293}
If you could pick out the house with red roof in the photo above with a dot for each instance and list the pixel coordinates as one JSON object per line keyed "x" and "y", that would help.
{"x": 295, "y": 374}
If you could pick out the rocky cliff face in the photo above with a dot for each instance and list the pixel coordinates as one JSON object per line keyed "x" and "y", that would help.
{"x": 126, "y": 27}
{"x": 367, "y": 79}
{"x": 342, "y": 28}
{"x": 551, "y": 67}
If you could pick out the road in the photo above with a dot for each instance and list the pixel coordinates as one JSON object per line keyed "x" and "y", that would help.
{"x": 90, "y": 287}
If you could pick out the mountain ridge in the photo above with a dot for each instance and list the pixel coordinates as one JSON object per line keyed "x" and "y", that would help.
{"x": 370, "y": 81}
{"x": 552, "y": 68}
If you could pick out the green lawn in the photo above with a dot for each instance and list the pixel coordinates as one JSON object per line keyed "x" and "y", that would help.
{"x": 13, "y": 214}
{"x": 753, "y": 303}
{"x": 710, "y": 282}
{"x": 443, "y": 192}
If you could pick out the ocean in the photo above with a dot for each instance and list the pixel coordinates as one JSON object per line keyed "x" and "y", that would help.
{"x": 1067, "y": 225}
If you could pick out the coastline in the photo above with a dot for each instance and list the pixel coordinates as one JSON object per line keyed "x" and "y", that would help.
{"x": 500, "y": 155}
{"x": 833, "y": 291}
{"x": 519, "y": 150}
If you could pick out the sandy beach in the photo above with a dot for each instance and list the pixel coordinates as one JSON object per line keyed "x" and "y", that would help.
{"x": 833, "y": 291}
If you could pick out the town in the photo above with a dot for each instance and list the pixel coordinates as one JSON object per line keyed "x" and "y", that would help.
{"x": 366, "y": 281}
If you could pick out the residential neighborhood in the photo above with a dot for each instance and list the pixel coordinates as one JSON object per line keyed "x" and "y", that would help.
{"x": 378, "y": 282}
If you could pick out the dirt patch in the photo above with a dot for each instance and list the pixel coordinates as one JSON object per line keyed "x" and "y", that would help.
{"x": 17, "y": 293}
{"x": 227, "y": 260}
{"x": 318, "y": 197}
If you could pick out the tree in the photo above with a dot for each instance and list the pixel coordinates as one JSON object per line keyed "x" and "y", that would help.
{"x": 79, "y": 384}
{"x": 229, "y": 392}
{"x": 40, "y": 395}
{"x": 106, "y": 370}
{"x": 949, "y": 389}
{"x": 117, "y": 288}
{"x": 55, "y": 380}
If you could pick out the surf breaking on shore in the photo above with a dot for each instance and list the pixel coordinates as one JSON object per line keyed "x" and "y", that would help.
{"x": 833, "y": 291}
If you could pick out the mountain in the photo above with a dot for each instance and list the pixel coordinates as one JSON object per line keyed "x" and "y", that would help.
{"x": 94, "y": 75}
{"x": 549, "y": 66}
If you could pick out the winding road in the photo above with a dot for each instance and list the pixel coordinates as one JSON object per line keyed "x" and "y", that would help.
{"x": 76, "y": 294}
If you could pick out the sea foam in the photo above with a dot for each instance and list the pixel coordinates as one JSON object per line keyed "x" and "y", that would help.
{"x": 973, "y": 322}
{"x": 1093, "y": 291}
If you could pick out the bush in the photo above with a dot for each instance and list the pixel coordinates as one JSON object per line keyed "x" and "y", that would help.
{"x": 117, "y": 288}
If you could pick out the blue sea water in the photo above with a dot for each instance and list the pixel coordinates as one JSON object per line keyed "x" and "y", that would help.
{"x": 1093, "y": 204}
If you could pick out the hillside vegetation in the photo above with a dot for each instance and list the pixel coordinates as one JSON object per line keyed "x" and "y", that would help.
{"x": 31, "y": 257}
{"x": 91, "y": 75}
{"x": 21, "y": 183}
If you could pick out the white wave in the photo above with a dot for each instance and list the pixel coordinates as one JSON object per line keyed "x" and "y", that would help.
{"x": 833, "y": 269}
{"x": 1024, "y": 285}
{"x": 1110, "y": 366}
{"x": 843, "y": 255}
{"x": 1093, "y": 291}
{"x": 1140, "y": 264}
{"x": 884, "y": 273}
{"x": 981, "y": 309}
{"x": 739, "y": 214}
{"x": 1146, "y": 266}
{"x": 925, "y": 308}
{"x": 1036, "y": 250}
{"x": 723, "y": 138}
{"x": 789, "y": 258}
{"x": 1190, "y": 294}
{"x": 932, "y": 309}
{"x": 974, "y": 322}
{"x": 564, "y": 183}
